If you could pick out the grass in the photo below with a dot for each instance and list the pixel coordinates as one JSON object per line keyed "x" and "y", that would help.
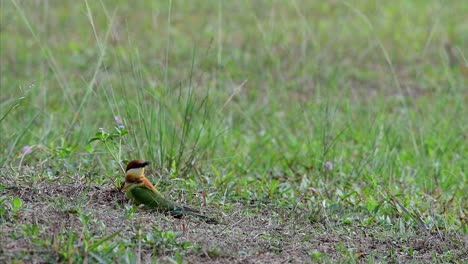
{"x": 316, "y": 132}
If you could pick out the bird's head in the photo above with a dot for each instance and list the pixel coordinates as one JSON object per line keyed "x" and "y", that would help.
{"x": 136, "y": 169}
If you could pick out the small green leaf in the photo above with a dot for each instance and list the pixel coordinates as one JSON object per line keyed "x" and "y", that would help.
{"x": 89, "y": 148}
{"x": 16, "y": 203}
{"x": 97, "y": 243}
{"x": 121, "y": 131}
{"x": 94, "y": 139}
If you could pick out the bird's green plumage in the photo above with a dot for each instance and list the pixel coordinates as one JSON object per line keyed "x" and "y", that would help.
{"x": 139, "y": 193}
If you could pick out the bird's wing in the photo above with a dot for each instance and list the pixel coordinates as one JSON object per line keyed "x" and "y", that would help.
{"x": 143, "y": 194}
{"x": 151, "y": 198}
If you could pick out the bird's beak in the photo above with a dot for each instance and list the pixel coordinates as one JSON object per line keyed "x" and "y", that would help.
{"x": 146, "y": 163}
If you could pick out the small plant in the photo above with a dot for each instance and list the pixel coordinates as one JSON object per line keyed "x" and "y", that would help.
{"x": 109, "y": 140}
{"x": 130, "y": 211}
{"x": 316, "y": 255}
{"x": 64, "y": 151}
{"x": 33, "y": 232}
{"x": 164, "y": 241}
{"x": 113, "y": 142}
{"x": 16, "y": 206}
{"x": 74, "y": 247}
{"x": 25, "y": 151}
{"x": 4, "y": 212}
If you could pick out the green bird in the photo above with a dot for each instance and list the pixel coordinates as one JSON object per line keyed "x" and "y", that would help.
{"x": 141, "y": 191}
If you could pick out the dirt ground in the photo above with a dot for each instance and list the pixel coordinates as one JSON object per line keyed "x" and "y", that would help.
{"x": 248, "y": 234}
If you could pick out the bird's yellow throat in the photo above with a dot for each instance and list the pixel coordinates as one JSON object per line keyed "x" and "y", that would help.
{"x": 133, "y": 175}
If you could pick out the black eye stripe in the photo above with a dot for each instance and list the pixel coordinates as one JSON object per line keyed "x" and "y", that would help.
{"x": 136, "y": 165}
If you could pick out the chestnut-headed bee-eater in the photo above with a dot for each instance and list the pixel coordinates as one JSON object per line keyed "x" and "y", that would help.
{"x": 141, "y": 191}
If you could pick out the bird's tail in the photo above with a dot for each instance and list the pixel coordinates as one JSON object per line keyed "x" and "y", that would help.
{"x": 207, "y": 219}
{"x": 179, "y": 212}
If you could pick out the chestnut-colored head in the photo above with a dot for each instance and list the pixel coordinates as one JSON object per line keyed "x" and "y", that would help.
{"x": 135, "y": 170}
{"x": 135, "y": 164}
